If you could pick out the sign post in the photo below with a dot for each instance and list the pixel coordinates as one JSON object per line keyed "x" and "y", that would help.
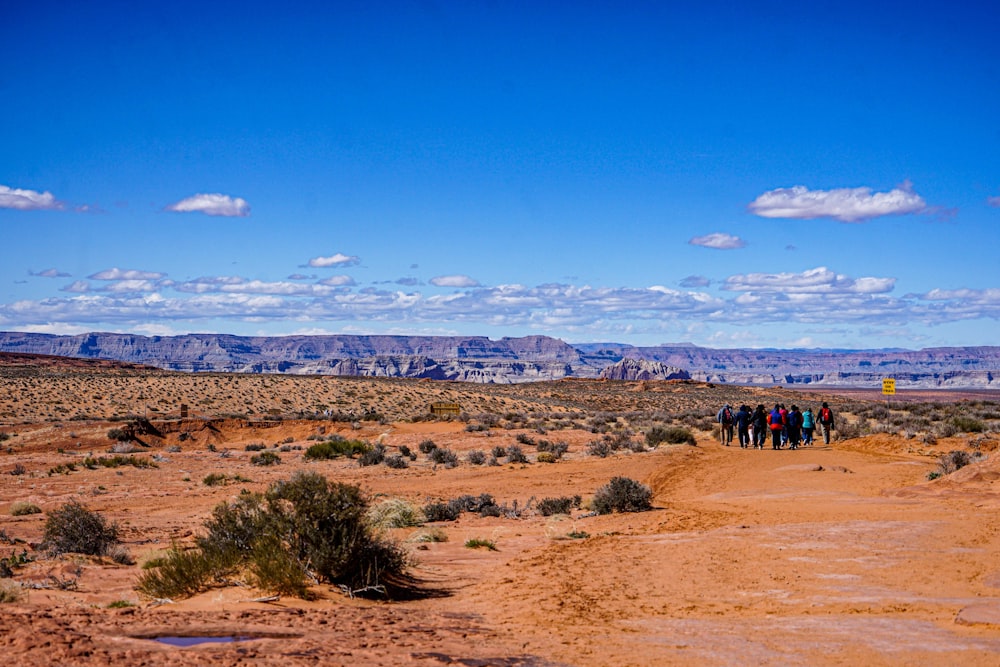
{"x": 889, "y": 386}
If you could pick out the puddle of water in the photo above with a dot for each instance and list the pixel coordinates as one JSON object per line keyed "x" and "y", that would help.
{"x": 195, "y": 641}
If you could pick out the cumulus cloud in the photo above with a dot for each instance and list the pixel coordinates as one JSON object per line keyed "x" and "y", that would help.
{"x": 49, "y": 273}
{"x": 212, "y": 204}
{"x": 719, "y": 241}
{"x": 126, "y": 274}
{"x": 28, "y": 200}
{"x": 338, "y": 281}
{"x": 844, "y": 204}
{"x": 340, "y": 259}
{"x": 820, "y": 280}
{"x": 454, "y": 281}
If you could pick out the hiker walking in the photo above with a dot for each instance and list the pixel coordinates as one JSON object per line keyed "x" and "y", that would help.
{"x": 794, "y": 427}
{"x": 759, "y": 422}
{"x": 743, "y": 425}
{"x": 776, "y": 423}
{"x": 726, "y": 419}
{"x": 826, "y": 422}
{"x": 808, "y": 426}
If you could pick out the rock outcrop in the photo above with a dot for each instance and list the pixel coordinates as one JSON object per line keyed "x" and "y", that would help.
{"x": 640, "y": 369}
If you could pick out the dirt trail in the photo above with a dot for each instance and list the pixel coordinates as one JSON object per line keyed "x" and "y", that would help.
{"x": 838, "y": 555}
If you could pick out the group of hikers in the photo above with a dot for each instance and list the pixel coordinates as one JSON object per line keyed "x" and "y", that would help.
{"x": 792, "y": 428}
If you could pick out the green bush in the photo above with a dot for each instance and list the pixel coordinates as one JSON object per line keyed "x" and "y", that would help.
{"x": 622, "y": 494}
{"x": 672, "y": 435}
{"x": 73, "y": 528}
{"x": 265, "y": 459}
{"x": 968, "y": 424}
{"x": 303, "y": 524}
{"x": 438, "y": 511}
{"x": 480, "y": 543}
{"x": 443, "y": 456}
{"x": 332, "y": 449}
{"x": 550, "y": 506}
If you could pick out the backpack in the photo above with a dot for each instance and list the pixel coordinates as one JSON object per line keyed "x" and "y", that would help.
{"x": 824, "y": 415}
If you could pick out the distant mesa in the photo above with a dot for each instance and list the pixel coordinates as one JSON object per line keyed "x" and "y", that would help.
{"x": 524, "y": 359}
{"x": 640, "y": 369}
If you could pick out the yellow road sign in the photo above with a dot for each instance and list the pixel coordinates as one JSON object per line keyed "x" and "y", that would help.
{"x": 888, "y": 386}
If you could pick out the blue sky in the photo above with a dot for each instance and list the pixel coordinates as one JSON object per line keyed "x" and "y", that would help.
{"x": 769, "y": 175}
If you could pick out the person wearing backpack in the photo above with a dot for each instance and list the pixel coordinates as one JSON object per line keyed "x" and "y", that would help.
{"x": 743, "y": 425}
{"x": 776, "y": 422}
{"x": 808, "y": 426}
{"x": 826, "y": 422}
{"x": 794, "y": 427}
{"x": 759, "y": 427}
{"x": 726, "y": 419}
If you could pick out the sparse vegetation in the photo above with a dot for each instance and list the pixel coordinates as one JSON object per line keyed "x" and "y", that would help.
{"x": 336, "y": 448}
{"x": 265, "y": 459}
{"x": 73, "y": 528}
{"x": 22, "y": 508}
{"x": 671, "y": 435}
{"x": 622, "y": 494}
{"x": 480, "y": 543}
{"x": 303, "y": 525}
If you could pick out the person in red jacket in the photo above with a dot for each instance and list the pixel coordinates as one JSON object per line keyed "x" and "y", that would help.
{"x": 776, "y": 422}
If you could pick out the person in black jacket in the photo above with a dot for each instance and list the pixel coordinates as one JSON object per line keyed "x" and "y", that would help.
{"x": 794, "y": 427}
{"x": 759, "y": 421}
{"x": 743, "y": 425}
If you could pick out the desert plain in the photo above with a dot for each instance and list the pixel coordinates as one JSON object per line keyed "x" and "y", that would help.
{"x": 840, "y": 554}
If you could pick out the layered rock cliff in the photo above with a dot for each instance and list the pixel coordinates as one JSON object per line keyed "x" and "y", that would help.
{"x": 527, "y": 359}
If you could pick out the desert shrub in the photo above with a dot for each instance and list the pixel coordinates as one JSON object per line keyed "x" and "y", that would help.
{"x": 405, "y": 451}
{"x": 397, "y": 462}
{"x": 73, "y": 528}
{"x": 480, "y": 543}
{"x": 545, "y": 457}
{"x": 438, "y": 511}
{"x": 498, "y": 451}
{"x": 335, "y": 448}
{"x": 265, "y": 459}
{"x": 968, "y": 424}
{"x": 427, "y": 446}
{"x": 117, "y": 461}
{"x": 444, "y": 456}
{"x": 622, "y": 494}
{"x": 11, "y": 591}
{"x": 476, "y": 457}
{"x": 303, "y": 522}
{"x": 516, "y": 455}
{"x": 430, "y": 535}
{"x": 945, "y": 430}
{"x": 255, "y": 447}
{"x": 119, "y": 434}
{"x": 373, "y": 456}
{"x": 601, "y": 448}
{"x": 471, "y": 503}
{"x": 556, "y": 449}
{"x": 18, "y": 469}
{"x": 525, "y": 439}
{"x": 221, "y": 479}
{"x": 672, "y": 435}
{"x": 22, "y": 508}
{"x": 393, "y": 513}
{"x": 125, "y": 447}
{"x": 954, "y": 460}
{"x": 550, "y": 506}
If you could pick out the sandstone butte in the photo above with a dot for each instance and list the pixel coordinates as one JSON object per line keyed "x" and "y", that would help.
{"x": 831, "y": 555}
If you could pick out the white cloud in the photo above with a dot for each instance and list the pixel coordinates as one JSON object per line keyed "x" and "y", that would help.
{"x": 844, "y": 204}
{"x": 49, "y": 273}
{"x": 820, "y": 280}
{"x": 338, "y": 281}
{"x": 454, "y": 281}
{"x": 212, "y": 204}
{"x": 719, "y": 241}
{"x": 340, "y": 259}
{"x": 28, "y": 200}
{"x": 126, "y": 274}
{"x": 993, "y": 201}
